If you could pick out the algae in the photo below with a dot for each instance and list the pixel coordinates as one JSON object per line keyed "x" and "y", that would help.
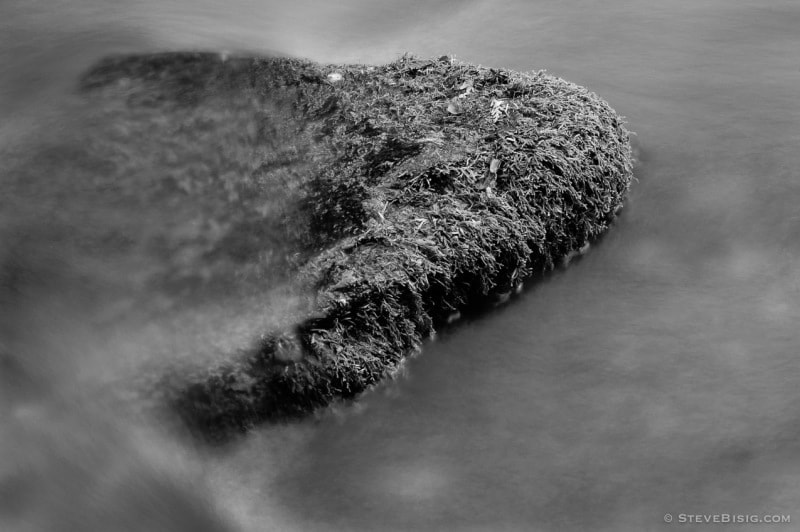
{"x": 426, "y": 187}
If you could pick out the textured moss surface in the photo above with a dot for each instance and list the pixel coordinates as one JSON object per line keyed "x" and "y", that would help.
{"x": 405, "y": 192}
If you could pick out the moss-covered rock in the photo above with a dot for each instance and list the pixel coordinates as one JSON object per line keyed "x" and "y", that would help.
{"x": 412, "y": 190}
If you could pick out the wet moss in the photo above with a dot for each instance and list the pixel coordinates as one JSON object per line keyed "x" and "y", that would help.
{"x": 431, "y": 185}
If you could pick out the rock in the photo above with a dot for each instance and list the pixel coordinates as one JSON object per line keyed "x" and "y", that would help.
{"x": 512, "y": 180}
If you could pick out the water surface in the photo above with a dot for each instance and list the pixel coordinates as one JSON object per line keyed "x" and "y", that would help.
{"x": 658, "y": 374}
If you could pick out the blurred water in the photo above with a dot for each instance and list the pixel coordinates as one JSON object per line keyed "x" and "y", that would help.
{"x": 656, "y": 375}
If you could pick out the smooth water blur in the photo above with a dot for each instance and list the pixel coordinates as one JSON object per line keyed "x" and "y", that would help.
{"x": 656, "y": 375}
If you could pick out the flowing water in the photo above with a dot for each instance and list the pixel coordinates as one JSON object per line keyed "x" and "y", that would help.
{"x": 656, "y": 375}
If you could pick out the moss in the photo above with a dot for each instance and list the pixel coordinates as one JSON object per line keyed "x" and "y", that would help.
{"x": 431, "y": 186}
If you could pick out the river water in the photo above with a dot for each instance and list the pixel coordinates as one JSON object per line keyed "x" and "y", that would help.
{"x": 656, "y": 375}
